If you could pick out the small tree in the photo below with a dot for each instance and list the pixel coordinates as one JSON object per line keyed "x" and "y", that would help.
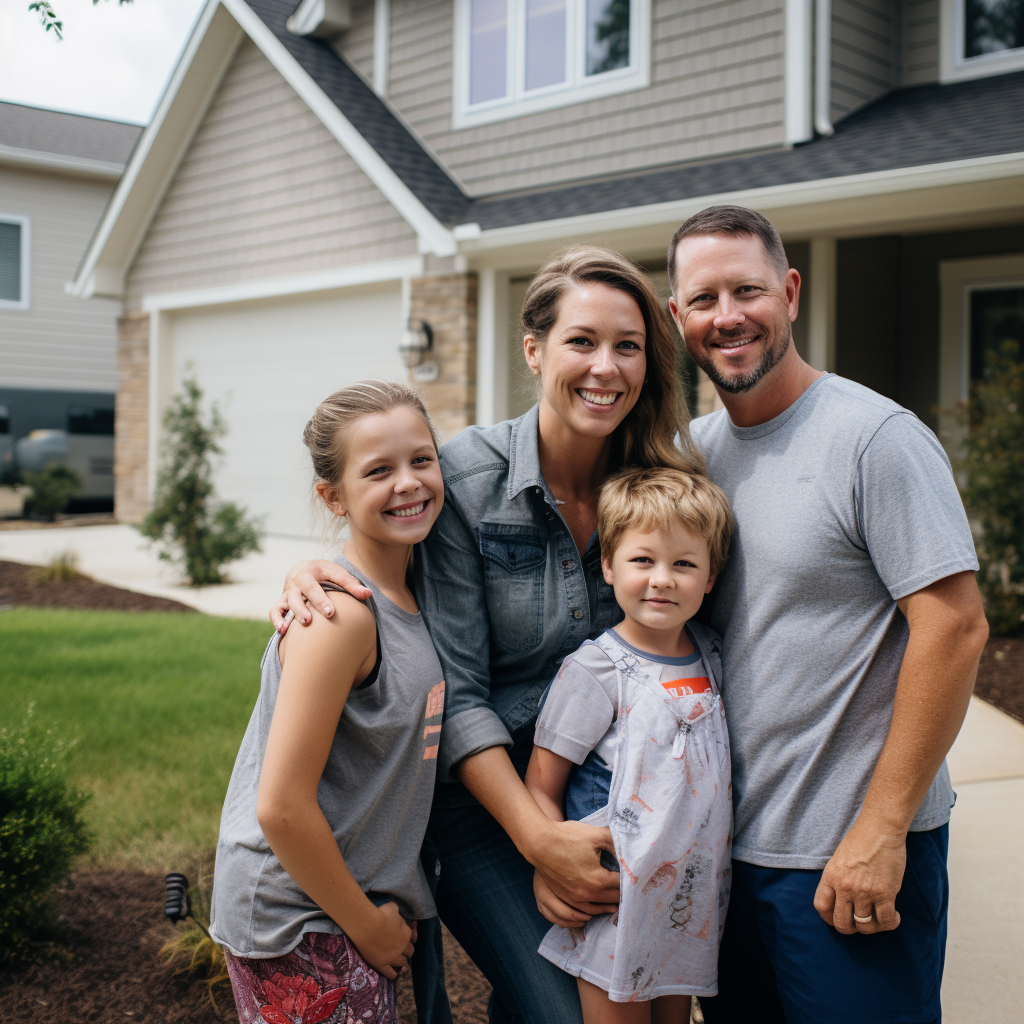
{"x": 992, "y": 467}
{"x": 53, "y": 487}
{"x": 189, "y": 524}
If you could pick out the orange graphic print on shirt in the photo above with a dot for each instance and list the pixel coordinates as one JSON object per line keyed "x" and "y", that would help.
{"x": 685, "y": 687}
{"x": 432, "y": 721}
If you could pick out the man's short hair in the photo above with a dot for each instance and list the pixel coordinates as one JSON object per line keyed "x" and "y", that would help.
{"x": 651, "y": 499}
{"x": 730, "y": 220}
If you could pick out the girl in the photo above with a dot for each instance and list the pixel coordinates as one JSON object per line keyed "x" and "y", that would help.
{"x": 510, "y": 583}
{"x": 318, "y": 883}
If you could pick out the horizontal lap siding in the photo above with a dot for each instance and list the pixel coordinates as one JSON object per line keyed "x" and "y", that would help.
{"x": 920, "y": 42}
{"x": 264, "y": 190}
{"x": 716, "y": 87}
{"x": 58, "y": 342}
{"x": 356, "y": 42}
{"x": 865, "y": 52}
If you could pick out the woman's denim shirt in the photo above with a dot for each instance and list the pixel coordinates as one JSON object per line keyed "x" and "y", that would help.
{"x": 504, "y": 592}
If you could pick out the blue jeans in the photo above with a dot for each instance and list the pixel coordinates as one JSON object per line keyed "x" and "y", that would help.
{"x": 779, "y": 962}
{"x": 485, "y": 897}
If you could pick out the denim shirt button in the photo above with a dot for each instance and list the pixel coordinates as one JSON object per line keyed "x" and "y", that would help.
{"x": 566, "y": 563}
{"x": 577, "y": 613}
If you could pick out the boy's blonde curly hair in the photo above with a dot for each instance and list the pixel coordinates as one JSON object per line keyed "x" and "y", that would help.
{"x": 652, "y": 499}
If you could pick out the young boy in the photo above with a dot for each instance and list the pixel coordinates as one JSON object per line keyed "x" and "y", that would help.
{"x": 632, "y": 735}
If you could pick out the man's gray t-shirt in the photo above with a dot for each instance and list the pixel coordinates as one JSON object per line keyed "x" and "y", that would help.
{"x": 844, "y": 504}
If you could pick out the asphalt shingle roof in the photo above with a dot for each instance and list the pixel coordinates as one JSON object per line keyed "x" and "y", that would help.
{"x": 71, "y": 135}
{"x": 907, "y": 128}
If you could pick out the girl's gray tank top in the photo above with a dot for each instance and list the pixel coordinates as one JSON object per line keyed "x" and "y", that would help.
{"x": 375, "y": 792}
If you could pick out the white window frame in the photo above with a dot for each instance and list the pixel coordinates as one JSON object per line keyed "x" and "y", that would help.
{"x": 957, "y": 280}
{"x": 26, "y": 256}
{"x": 577, "y": 88}
{"x": 953, "y": 67}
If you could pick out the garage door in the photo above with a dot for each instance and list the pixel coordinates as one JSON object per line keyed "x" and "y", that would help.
{"x": 268, "y": 366}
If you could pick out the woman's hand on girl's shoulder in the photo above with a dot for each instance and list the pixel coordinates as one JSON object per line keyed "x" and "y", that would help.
{"x": 387, "y": 943}
{"x": 345, "y": 641}
{"x": 302, "y": 591}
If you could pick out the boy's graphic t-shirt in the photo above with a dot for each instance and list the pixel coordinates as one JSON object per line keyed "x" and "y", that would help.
{"x": 648, "y": 738}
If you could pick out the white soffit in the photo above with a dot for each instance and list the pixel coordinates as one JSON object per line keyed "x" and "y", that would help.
{"x": 164, "y": 142}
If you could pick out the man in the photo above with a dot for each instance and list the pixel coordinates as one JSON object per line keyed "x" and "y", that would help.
{"x": 853, "y": 628}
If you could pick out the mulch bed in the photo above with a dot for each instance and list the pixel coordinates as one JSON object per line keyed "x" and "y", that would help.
{"x": 19, "y": 587}
{"x": 105, "y": 967}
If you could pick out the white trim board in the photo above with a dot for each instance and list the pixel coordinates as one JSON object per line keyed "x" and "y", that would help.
{"x": 279, "y": 287}
{"x": 56, "y": 162}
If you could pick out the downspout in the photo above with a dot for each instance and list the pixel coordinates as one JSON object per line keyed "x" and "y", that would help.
{"x": 823, "y": 67}
{"x": 799, "y": 77}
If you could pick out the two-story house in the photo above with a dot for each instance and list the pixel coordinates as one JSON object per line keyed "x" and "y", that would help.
{"x": 58, "y": 355}
{"x": 320, "y": 175}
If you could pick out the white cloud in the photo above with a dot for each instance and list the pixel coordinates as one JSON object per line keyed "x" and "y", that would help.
{"x": 114, "y": 61}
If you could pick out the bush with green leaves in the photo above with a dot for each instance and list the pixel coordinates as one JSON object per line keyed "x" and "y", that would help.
{"x": 192, "y": 528}
{"x": 41, "y": 831}
{"x": 53, "y": 487}
{"x": 991, "y": 468}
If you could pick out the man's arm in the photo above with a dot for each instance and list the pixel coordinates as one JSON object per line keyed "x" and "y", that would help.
{"x": 948, "y": 632}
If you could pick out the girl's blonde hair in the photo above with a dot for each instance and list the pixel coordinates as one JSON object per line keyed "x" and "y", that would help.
{"x": 655, "y": 431}
{"x": 324, "y": 435}
{"x": 653, "y": 499}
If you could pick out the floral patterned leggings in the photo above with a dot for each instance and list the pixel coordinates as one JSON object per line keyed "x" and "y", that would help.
{"x": 323, "y": 979}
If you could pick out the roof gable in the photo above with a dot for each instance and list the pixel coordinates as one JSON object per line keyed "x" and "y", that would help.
{"x": 407, "y": 176}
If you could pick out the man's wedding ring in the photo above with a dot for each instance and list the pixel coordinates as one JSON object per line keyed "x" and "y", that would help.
{"x": 862, "y": 920}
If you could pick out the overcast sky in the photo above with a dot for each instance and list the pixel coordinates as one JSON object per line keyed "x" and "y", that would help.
{"x": 114, "y": 60}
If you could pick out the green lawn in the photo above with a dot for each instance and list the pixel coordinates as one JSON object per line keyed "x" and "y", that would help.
{"x": 157, "y": 703}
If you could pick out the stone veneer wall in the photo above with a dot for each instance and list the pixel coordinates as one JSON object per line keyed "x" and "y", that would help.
{"x": 448, "y": 302}
{"x": 131, "y": 418}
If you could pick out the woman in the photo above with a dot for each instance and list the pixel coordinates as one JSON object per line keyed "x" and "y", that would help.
{"x": 509, "y": 582}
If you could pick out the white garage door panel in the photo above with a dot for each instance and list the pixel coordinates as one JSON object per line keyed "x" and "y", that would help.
{"x": 268, "y": 366}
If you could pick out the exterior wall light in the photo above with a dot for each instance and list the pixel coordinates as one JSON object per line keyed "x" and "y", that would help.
{"x": 417, "y": 340}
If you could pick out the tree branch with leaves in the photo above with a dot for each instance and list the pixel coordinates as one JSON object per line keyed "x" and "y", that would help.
{"x": 48, "y": 16}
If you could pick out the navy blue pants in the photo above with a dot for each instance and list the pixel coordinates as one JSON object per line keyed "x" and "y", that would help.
{"x": 781, "y": 964}
{"x": 485, "y": 897}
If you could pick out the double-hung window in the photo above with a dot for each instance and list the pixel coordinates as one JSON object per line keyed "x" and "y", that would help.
{"x": 515, "y": 57}
{"x": 981, "y": 37}
{"x": 14, "y": 262}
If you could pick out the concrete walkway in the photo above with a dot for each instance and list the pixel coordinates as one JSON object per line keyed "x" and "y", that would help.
{"x": 984, "y": 977}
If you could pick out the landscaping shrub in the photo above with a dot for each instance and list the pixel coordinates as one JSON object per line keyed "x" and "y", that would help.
{"x": 992, "y": 471}
{"x": 41, "y": 831}
{"x": 53, "y": 487}
{"x": 61, "y": 568}
{"x": 192, "y": 527}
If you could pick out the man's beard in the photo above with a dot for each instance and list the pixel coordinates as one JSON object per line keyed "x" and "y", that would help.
{"x": 744, "y": 382}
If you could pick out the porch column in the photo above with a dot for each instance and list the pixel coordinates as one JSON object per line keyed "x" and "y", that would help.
{"x": 448, "y": 302}
{"x": 821, "y": 348}
{"x": 131, "y": 419}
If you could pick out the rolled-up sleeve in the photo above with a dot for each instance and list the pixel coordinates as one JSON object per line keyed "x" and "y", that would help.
{"x": 454, "y": 606}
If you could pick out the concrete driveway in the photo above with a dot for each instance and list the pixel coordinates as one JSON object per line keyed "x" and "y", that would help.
{"x": 984, "y": 977}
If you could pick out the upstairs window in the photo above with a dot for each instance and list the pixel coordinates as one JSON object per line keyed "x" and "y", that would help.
{"x": 516, "y": 57}
{"x": 981, "y": 37}
{"x": 13, "y": 262}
